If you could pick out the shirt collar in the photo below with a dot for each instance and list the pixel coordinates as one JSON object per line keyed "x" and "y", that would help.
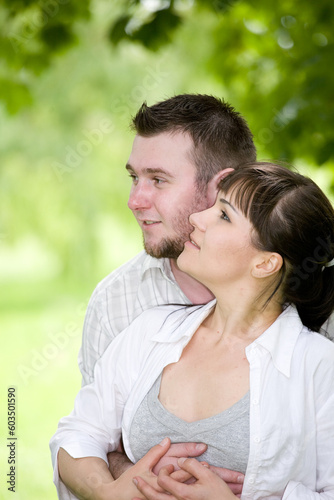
{"x": 182, "y": 322}
{"x": 161, "y": 264}
{"x": 280, "y": 339}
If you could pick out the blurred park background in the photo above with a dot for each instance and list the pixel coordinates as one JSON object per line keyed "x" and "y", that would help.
{"x": 72, "y": 73}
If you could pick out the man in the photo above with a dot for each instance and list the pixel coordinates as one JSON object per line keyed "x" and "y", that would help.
{"x": 183, "y": 147}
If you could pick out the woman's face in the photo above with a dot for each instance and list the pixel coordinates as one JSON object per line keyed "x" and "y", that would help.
{"x": 220, "y": 251}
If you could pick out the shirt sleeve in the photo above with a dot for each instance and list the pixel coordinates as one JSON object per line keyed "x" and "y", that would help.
{"x": 110, "y": 310}
{"x": 93, "y": 332}
{"x": 324, "y": 435}
{"x": 94, "y": 427}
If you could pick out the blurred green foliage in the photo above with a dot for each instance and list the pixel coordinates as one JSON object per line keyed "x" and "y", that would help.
{"x": 72, "y": 73}
{"x": 275, "y": 58}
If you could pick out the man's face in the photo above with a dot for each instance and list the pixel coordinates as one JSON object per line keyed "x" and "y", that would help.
{"x": 164, "y": 191}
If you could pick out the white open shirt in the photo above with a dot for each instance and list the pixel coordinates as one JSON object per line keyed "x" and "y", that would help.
{"x": 291, "y": 396}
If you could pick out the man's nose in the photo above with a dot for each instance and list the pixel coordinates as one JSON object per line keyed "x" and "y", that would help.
{"x": 140, "y": 197}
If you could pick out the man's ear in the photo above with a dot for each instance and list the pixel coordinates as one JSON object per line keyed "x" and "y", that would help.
{"x": 212, "y": 188}
{"x": 269, "y": 264}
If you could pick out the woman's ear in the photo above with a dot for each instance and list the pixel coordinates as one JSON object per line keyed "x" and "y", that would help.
{"x": 269, "y": 264}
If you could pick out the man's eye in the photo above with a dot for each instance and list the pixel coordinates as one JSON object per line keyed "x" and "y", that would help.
{"x": 134, "y": 178}
{"x": 224, "y": 216}
{"x": 157, "y": 180}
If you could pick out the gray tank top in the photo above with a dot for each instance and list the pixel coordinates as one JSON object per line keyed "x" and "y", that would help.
{"x": 226, "y": 434}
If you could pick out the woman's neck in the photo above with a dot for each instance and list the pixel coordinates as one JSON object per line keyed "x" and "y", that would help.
{"x": 242, "y": 320}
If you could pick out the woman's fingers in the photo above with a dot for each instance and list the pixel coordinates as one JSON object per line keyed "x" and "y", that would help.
{"x": 149, "y": 492}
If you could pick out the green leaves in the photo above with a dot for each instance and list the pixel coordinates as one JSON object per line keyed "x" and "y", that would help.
{"x": 272, "y": 60}
{"x": 153, "y": 32}
{"x": 33, "y": 32}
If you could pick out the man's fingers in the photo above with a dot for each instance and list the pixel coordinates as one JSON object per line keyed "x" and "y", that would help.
{"x": 181, "y": 475}
{"x": 153, "y": 456}
{"x": 233, "y": 479}
{"x": 193, "y": 467}
{"x": 186, "y": 450}
{"x": 170, "y": 485}
{"x": 229, "y": 476}
{"x": 170, "y": 469}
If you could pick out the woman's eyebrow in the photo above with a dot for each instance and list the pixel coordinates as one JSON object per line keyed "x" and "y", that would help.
{"x": 222, "y": 200}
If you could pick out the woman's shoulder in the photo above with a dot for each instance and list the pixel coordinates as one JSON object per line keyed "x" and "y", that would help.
{"x": 317, "y": 346}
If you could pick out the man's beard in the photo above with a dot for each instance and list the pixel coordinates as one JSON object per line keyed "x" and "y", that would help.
{"x": 170, "y": 248}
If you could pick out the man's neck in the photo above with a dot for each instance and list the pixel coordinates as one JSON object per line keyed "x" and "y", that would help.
{"x": 196, "y": 292}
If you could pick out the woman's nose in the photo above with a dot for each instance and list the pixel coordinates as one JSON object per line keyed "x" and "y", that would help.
{"x": 198, "y": 220}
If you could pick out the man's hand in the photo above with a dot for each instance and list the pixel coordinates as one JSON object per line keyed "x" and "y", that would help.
{"x": 119, "y": 462}
{"x": 233, "y": 479}
{"x": 178, "y": 450}
{"x": 207, "y": 485}
{"x": 124, "y": 488}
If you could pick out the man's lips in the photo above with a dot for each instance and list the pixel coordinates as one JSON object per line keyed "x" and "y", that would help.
{"x": 148, "y": 222}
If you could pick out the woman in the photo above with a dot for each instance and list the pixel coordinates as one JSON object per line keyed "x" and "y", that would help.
{"x": 246, "y": 373}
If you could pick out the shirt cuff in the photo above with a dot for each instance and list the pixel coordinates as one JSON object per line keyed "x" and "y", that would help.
{"x": 76, "y": 447}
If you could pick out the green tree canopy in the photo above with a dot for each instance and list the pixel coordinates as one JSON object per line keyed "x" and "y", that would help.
{"x": 274, "y": 57}
{"x": 33, "y": 32}
{"x": 73, "y": 72}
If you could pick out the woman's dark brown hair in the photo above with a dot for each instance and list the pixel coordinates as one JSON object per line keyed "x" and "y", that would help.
{"x": 293, "y": 217}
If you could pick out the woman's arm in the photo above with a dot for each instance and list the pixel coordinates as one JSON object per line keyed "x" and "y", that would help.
{"x": 89, "y": 478}
{"x": 94, "y": 427}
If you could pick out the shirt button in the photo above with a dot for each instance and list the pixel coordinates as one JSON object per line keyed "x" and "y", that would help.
{"x": 257, "y": 439}
{"x": 251, "y": 480}
{"x": 255, "y": 401}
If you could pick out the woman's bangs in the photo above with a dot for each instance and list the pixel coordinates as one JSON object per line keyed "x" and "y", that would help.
{"x": 242, "y": 192}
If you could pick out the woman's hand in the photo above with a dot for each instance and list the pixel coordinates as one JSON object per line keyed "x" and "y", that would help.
{"x": 208, "y": 485}
{"x": 124, "y": 488}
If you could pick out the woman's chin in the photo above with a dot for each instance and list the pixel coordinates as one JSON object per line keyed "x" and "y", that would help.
{"x": 181, "y": 261}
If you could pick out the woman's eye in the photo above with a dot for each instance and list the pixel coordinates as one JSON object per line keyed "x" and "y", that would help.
{"x": 224, "y": 216}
